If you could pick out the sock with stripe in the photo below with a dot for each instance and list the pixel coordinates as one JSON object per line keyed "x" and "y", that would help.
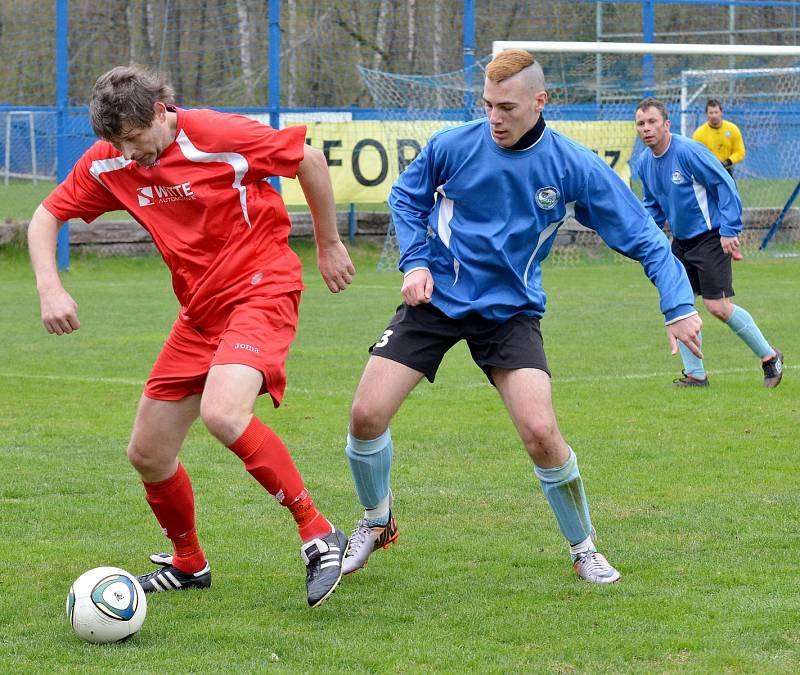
{"x": 370, "y": 463}
{"x": 564, "y": 491}
{"x": 268, "y": 461}
{"x": 691, "y": 364}
{"x": 172, "y": 503}
{"x": 742, "y": 324}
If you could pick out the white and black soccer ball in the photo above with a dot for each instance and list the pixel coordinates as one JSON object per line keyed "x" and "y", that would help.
{"x": 106, "y": 604}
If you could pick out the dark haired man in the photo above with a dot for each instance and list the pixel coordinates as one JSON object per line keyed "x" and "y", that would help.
{"x": 195, "y": 180}
{"x": 724, "y": 139}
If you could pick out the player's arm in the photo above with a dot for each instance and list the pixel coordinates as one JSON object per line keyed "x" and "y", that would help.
{"x": 610, "y": 208}
{"x": 652, "y": 206}
{"x": 58, "y": 310}
{"x": 333, "y": 260}
{"x": 411, "y": 200}
{"x": 711, "y": 175}
{"x": 737, "y": 146}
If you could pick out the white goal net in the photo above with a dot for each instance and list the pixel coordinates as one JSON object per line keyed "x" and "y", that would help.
{"x": 593, "y": 90}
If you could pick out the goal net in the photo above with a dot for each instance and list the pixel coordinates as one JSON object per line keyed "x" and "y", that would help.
{"x": 593, "y": 89}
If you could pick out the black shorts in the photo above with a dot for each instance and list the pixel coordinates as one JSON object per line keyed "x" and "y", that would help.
{"x": 419, "y": 337}
{"x": 707, "y": 265}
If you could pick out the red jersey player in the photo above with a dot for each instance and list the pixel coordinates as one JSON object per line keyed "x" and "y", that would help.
{"x": 195, "y": 180}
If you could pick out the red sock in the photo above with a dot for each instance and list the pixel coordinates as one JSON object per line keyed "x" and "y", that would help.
{"x": 266, "y": 459}
{"x": 172, "y": 502}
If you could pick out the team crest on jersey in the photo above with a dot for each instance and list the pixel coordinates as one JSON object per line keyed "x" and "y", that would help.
{"x": 677, "y": 177}
{"x": 150, "y": 195}
{"x": 727, "y": 134}
{"x": 547, "y": 197}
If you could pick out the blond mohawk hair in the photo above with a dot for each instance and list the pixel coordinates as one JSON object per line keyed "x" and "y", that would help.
{"x": 508, "y": 63}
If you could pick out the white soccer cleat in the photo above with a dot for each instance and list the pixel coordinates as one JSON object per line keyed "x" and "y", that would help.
{"x": 592, "y": 566}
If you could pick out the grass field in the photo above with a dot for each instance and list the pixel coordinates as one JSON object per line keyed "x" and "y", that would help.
{"x": 695, "y": 493}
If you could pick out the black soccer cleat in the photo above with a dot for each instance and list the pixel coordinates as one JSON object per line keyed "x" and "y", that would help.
{"x": 773, "y": 370}
{"x": 323, "y": 558}
{"x": 690, "y": 381}
{"x": 169, "y": 578}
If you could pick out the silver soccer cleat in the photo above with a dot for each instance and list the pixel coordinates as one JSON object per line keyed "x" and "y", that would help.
{"x": 365, "y": 540}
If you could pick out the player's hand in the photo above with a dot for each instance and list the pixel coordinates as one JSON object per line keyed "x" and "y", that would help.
{"x": 59, "y": 311}
{"x": 687, "y": 331}
{"x": 417, "y": 287}
{"x": 335, "y": 266}
{"x": 729, "y": 244}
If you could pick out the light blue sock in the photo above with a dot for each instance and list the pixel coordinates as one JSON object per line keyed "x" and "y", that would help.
{"x": 745, "y": 328}
{"x": 563, "y": 489}
{"x": 691, "y": 364}
{"x": 370, "y": 463}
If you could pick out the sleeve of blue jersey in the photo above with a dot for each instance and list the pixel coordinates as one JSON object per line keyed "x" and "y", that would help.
{"x": 411, "y": 200}
{"x": 609, "y": 207}
{"x": 708, "y": 171}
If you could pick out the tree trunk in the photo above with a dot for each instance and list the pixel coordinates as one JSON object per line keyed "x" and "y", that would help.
{"x": 412, "y": 33}
{"x": 380, "y": 33}
{"x": 244, "y": 50}
{"x": 291, "y": 36}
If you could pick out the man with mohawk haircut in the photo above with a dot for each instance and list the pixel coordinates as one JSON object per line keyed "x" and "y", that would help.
{"x": 476, "y": 213}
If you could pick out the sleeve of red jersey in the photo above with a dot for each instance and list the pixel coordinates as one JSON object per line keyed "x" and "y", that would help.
{"x": 81, "y": 195}
{"x": 268, "y": 151}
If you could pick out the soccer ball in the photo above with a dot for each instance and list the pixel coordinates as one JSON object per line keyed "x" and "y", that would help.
{"x": 106, "y": 604}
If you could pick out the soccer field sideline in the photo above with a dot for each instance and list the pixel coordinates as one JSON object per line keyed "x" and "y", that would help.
{"x": 344, "y": 392}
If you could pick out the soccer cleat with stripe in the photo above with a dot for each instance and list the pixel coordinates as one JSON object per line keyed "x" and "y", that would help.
{"x": 323, "y": 559}
{"x": 773, "y": 370}
{"x": 365, "y": 539}
{"x": 593, "y": 567}
{"x": 169, "y": 578}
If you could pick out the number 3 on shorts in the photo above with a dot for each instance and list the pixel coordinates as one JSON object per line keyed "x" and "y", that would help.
{"x": 384, "y": 339}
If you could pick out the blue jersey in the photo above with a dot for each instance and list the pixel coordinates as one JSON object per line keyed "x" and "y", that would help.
{"x": 481, "y": 218}
{"x": 689, "y": 187}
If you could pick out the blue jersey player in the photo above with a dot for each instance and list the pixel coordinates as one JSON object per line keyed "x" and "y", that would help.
{"x": 476, "y": 213}
{"x": 687, "y": 186}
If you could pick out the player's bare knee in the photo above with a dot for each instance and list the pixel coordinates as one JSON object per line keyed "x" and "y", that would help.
{"x": 367, "y": 421}
{"x": 144, "y": 459}
{"x": 224, "y": 424}
{"x": 539, "y": 437}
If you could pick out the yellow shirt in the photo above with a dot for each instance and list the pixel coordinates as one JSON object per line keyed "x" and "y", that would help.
{"x": 725, "y": 142}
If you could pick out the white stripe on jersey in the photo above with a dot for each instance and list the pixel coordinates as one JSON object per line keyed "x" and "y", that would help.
{"x": 545, "y": 235}
{"x": 702, "y": 201}
{"x": 445, "y": 216}
{"x": 237, "y": 162}
{"x": 102, "y": 165}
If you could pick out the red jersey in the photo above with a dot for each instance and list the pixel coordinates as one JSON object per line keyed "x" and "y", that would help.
{"x": 220, "y": 227}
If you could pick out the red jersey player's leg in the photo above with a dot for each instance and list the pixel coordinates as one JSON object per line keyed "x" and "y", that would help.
{"x": 170, "y": 404}
{"x": 250, "y": 360}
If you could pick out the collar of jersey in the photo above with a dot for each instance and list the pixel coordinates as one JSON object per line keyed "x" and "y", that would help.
{"x": 487, "y": 134}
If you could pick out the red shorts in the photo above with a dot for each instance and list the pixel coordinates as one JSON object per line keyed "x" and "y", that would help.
{"x": 257, "y": 333}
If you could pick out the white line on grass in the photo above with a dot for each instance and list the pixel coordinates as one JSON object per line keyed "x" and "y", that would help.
{"x": 471, "y": 385}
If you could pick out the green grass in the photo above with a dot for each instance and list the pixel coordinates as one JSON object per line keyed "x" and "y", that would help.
{"x": 695, "y": 493}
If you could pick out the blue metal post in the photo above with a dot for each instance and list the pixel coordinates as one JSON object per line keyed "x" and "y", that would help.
{"x": 469, "y": 57}
{"x": 351, "y": 224}
{"x": 62, "y": 101}
{"x": 648, "y": 35}
{"x": 274, "y": 94}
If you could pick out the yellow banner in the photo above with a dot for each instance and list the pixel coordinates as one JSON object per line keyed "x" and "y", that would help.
{"x": 366, "y": 157}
